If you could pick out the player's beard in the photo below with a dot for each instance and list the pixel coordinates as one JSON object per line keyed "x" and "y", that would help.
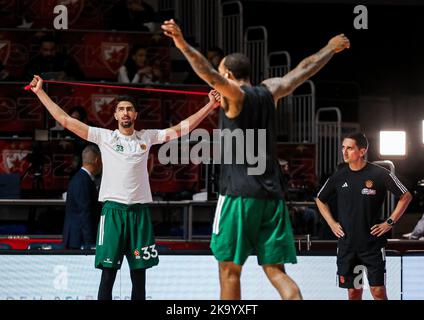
{"x": 126, "y": 124}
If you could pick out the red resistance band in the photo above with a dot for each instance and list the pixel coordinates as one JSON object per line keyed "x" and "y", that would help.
{"x": 28, "y": 87}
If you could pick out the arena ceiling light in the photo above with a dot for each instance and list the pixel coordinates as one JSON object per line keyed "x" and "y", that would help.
{"x": 423, "y": 131}
{"x": 392, "y": 143}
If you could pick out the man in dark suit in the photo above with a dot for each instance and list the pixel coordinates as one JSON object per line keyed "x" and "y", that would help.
{"x": 82, "y": 207}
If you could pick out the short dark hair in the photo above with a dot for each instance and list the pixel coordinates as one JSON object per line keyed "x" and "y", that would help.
{"x": 90, "y": 152}
{"x": 360, "y": 139}
{"x": 125, "y": 97}
{"x": 239, "y": 65}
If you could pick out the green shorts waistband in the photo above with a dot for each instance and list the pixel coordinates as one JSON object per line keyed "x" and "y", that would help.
{"x": 123, "y": 206}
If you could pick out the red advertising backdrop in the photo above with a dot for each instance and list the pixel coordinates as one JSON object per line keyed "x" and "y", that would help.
{"x": 21, "y": 112}
{"x": 82, "y": 14}
{"x": 55, "y": 158}
{"x": 98, "y": 54}
{"x": 23, "y": 156}
{"x": 18, "y": 156}
{"x": 155, "y": 110}
{"x": 173, "y": 177}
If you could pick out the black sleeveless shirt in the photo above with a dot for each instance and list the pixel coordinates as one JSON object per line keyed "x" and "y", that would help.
{"x": 254, "y": 154}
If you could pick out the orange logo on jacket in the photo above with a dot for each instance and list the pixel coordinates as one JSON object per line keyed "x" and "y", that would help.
{"x": 369, "y": 184}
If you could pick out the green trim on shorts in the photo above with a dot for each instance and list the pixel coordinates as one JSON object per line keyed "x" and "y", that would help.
{"x": 242, "y": 225}
{"x": 125, "y": 230}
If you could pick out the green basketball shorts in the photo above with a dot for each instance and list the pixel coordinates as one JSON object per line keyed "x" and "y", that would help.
{"x": 244, "y": 225}
{"x": 125, "y": 230}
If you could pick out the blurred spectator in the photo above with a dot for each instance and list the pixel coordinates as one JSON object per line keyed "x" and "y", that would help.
{"x": 133, "y": 15}
{"x": 52, "y": 65}
{"x": 285, "y": 178}
{"x": 286, "y": 172}
{"x": 82, "y": 207}
{"x": 35, "y": 170}
{"x": 214, "y": 56}
{"x": 418, "y": 231}
{"x": 304, "y": 220}
{"x": 137, "y": 68}
{"x": 79, "y": 113}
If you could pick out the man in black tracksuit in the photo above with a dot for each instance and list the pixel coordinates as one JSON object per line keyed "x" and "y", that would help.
{"x": 361, "y": 188}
